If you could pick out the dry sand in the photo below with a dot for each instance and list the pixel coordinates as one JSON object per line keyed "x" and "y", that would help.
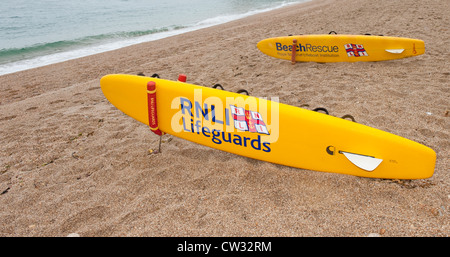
{"x": 71, "y": 162}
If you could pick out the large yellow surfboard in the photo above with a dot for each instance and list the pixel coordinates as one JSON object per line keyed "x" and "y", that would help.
{"x": 267, "y": 130}
{"x": 341, "y": 48}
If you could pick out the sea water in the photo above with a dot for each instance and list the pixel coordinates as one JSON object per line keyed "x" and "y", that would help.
{"x": 34, "y": 33}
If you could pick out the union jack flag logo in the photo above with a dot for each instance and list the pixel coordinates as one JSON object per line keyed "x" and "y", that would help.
{"x": 355, "y": 50}
{"x": 246, "y": 120}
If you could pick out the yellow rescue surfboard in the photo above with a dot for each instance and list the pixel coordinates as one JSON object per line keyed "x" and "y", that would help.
{"x": 267, "y": 130}
{"x": 341, "y": 48}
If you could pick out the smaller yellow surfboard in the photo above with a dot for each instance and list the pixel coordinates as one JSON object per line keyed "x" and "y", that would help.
{"x": 341, "y": 48}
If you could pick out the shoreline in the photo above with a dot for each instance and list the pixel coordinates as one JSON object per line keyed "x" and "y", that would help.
{"x": 126, "y": 42}
{"x": 72, "y": 163}
{"x": 96, "y": 65}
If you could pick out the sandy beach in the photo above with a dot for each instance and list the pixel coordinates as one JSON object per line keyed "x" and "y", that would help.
{"x": 70, "y": 162}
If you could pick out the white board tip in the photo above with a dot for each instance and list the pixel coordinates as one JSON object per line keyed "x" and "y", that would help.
{"x": 364, "y": 162}
{"x": 395, "y": 51}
